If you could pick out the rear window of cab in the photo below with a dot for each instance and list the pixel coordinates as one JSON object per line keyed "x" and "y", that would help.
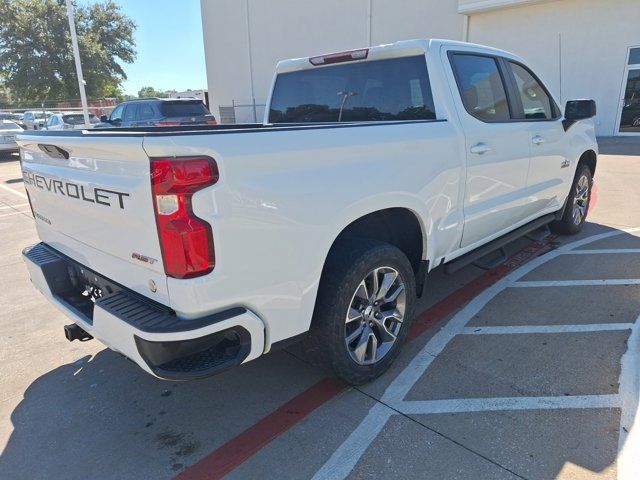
{"x": 379, "y": 90}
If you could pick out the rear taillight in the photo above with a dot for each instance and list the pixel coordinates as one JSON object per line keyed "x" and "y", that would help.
{"x": 185, "y": 239}
{"x": 167, "y": 124}
{"x": 211, "y": 122}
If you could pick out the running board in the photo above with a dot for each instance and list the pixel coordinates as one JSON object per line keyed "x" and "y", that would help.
{"x": 474, "y": 255}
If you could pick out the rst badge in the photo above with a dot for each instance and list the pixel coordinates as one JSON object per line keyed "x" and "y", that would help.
{"x": 143, "y": 258}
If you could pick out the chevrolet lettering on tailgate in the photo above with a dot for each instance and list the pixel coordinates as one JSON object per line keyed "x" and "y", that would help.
{"x": 100, "y": 196}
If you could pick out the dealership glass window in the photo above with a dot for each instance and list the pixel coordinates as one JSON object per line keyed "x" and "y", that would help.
{"x": 380, "y": 90}
{"x": 634, "y": 56}
{"x": 535, "y": 101}
{"x": 481, "y": 88}
{"x": 630, "y": 116}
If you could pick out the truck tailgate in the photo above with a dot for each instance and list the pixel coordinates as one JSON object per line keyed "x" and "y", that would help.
{"x": 96, "y": 205}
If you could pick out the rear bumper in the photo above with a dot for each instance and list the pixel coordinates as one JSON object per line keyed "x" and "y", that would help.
{"x": 146, "y": 332}
{"x": 9, "y": 147}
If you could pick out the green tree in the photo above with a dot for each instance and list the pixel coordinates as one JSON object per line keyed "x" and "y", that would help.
{"x": 36, "y": 59}
{"x": 5, "y": 95}
{"x": 146, "y": 92}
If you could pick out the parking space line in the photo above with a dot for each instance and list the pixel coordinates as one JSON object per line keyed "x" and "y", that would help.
{"x": 602, "y": 251}
{"x": 221, "y": 460}
{"x": 470, "y": 405}
{"x": 5, "y": 207}
{"x": 453, "y": 302}
{"x": 15, "y": 192}
{"x": 575, "y": 283}
{"x": 344, "y": 459}
{"x": 629, "y": 393}
{"x": 358, "y": 442}
{"x": 527, "y": 329}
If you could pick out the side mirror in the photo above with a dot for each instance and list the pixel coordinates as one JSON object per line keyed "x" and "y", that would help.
{"x": 578, "y": 110}
{"x": 104, "y": 119}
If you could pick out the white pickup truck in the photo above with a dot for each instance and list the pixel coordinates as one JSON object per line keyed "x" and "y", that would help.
{"x": 194, "y": 249}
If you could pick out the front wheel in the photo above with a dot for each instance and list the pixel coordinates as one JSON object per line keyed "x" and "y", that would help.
{"x": 577, "y": 207}
{"x": 363, "y": 309}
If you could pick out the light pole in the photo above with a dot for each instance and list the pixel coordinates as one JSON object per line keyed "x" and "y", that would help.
{"x": 76, "y": 55}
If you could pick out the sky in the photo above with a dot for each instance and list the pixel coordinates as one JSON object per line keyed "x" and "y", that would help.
{"x": 169, "y": 45}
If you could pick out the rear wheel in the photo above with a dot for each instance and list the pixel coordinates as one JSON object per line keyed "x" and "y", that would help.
{"x": 577, "y": 207}
{"x": 364, "y": 308}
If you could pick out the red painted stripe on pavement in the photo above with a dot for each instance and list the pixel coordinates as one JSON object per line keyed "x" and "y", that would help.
{"x": 466, "y": 293}
{"x": 236, "y": 451}
{"x": 594, "y": 197}
{"x": 239, "y": 449}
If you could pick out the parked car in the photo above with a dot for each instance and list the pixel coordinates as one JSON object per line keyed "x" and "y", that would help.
{"x": 13, "y": 117}
{"x": 70, "y": 120}
{"x": 192, "y": 250}
{"x": 8, "y": 132}
{"x": 19, "y": 119}
{"x": 159, "y": 112}
{"x": 35, "y": 120}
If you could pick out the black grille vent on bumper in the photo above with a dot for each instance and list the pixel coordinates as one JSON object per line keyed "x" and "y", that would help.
{"x": 40, "y": 255}
{"x": 197, "y": 357}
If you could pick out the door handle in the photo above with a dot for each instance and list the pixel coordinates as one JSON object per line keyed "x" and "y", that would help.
{"x": 538, "y": 140}
{"x": 480, "y": 148}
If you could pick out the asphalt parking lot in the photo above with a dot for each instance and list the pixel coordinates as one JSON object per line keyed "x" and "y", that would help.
{"x": 530, "y": 370}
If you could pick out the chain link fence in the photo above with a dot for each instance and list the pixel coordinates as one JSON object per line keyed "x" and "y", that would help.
{"x": 97, "y": 107}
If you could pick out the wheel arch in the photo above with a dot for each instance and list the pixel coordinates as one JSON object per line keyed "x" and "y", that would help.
{"x": 589, "y": 158}
{"x": 401, "y": 227}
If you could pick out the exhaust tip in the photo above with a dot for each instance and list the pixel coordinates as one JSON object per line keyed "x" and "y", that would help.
{"x": 75, "y": 332}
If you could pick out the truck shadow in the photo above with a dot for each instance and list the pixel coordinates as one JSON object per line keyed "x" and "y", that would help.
{"x": 103, "y": 417}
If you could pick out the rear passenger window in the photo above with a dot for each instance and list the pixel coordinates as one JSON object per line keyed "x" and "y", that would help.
{"x": 130, "y": 113}
{"x": 380, "y": 90}
{"x": 145, "y": 112}
{"x": 535, "y": 101}
{"x": 481, "y": 88}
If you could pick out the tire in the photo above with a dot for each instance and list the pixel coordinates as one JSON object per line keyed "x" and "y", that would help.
{"x": 346, "y": 281}
{"x": 577, "y": 206}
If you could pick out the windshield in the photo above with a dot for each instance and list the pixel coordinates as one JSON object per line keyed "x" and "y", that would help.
{"x": 181, "y": 108}
{"x": 381, "y": 90}
{"x": 42, "y": 116}
{"x": 78, "y": 119}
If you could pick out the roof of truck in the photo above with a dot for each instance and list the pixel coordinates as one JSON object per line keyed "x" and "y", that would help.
{"x": 389, "y": 50}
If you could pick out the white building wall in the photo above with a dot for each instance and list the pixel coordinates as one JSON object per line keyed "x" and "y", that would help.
{"x": 578, "y": 47}
{"x": 475, "y": 6}
{"x": 245, "y": 39}
{"x": 226, "y": 53}
{"x": 408, "y": 19}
